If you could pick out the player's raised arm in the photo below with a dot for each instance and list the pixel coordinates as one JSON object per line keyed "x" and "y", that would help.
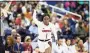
{"x": 35, "y": 19}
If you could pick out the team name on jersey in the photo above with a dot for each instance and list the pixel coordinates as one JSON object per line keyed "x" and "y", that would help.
{"x": 46, "y": 30}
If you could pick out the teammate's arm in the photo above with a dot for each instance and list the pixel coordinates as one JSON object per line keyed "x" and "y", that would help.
{"x": 54, "y": 32}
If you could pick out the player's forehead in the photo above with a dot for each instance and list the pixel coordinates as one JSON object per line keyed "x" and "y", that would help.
{"x": 46, "y": 17}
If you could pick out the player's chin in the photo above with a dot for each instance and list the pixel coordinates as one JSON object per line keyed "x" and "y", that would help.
{"x": 46, "y": 23}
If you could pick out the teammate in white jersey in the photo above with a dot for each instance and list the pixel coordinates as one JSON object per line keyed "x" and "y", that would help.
{"x": 45, "y": 30}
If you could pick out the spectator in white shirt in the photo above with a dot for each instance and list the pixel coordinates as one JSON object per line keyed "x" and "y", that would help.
{"x": 73, "y": 45}
{"x": 68, "y": 46}
{"x": 58, "y": 48}
{"x": 36, "y": 50}
{"x": 87, "y": 44}
{"x": 23, "y": 7}
{"x": 80, "y": 47}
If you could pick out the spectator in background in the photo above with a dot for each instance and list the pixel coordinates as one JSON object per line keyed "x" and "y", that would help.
{"x": 53, "y": 18}
{"x": 82, "y": 13}
{"x": 36, "y": 50}
{"x": 18, "y": 47}
{"x": 14, "y": 11}
{"x": 61, "y": 24}
{"x": 67, "y": 5}
{"x": 66, "y": 30}
{"x": 12, "y": 24}
{"x": 28, "y": 14}
{"x": 86, "y": 11}
{"x": 86, "y": 27}
{"x": 27, "y": 44}
{"x": 25, "y": 21}
{"x": 72, "y": 6}
{"x": 23, "y": 31}
{"x": 9, "y": 44}
{"x": 18, "y": 20}
{"x": 7, "y": 32}
{"x": 23, "y": 7}
{"x": 59, "y": 48}
{"x": 87, "y": 44}
{"x": 78, "y": 9}
{"x": 76, "y": 40}
{"x": 33, "y": 30}
{"x": 19, "y": 8}
{"x": 68, "y": 48}
{"x": 14, "y": 34}
{"x": 72, "y": 23}
{"x": 80, "y": 47}
{"x": 73, "y": 45}
{"x": 12, "y": 16}
{"x": 81, "y": 31}
{"x": 29, "y": 6}
{"x": 60, "y": 4}
{"x": 2, "y": 47}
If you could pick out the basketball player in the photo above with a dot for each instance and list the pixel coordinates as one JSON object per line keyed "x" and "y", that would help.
{"x": 45, "y": 30}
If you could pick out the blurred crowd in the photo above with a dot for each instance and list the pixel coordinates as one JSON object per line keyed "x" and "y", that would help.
{"x": 18, "y": 29}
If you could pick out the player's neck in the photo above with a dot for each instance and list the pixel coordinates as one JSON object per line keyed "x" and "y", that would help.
{"x": 46, "y": 24}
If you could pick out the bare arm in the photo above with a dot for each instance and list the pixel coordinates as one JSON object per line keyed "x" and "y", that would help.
{"x": 35, "y": 19}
